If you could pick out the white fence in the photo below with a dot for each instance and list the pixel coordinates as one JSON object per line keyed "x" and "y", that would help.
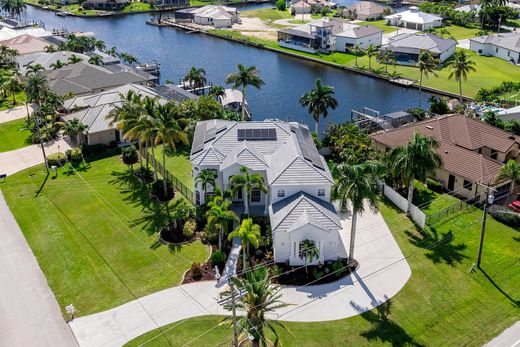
{"x": 416, "y": 214}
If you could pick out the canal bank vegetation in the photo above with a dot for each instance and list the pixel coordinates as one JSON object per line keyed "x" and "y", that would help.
{"x": 490, "y": 71}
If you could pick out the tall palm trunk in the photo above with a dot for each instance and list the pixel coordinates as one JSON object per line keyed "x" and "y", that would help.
{"x": 41, "y": 144}
{"x": 147, "y": 153}
{"x": 153, "y": 160}
{"x": 316, "y": 122}
{"x": 460, "y": 90}
{"x": 165, "y": 185}
{"x": 352, "y": 238}
{"x": 220, "y": 233}
{"x": 410, "y": 196}
{"x": 420, "y": 90}
{"x": 243, "y": 103}
{"x": 140, "y": 145}
{"x": 244, "y": 256}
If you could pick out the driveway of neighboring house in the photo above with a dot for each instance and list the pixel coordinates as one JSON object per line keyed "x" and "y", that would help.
{"x": 29, "y": 313}
{"x": 14, "y": 113}
{"x": 382, "y": 273}
{"x": 23, "y": 158}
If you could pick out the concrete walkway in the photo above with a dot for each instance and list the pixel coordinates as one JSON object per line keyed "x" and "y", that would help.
{"x": 231, "y": 263}
{"x": 14, "y": 113}
{"x": 509, "y": 338}
{"x": 382, "y": 273}
{"x": 29, "y": 313}
{"x": 23, "y": 158}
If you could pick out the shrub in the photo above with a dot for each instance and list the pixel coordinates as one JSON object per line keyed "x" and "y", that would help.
{"x": 218, "y": 258}
{"x": 417, "y": 113}
{"x": 504, "y": 215}
{"x": 184, "y": 211}
{"x": 89, "y": 150}
{"x": 196, "y": 271}
{"x": 338, "y": 268}
{"x": 188, "y": 230}
{"x": 129, "y": 155}
{"x": 434, "y": 185}
{"x": 281, "y": 5}
{"x": 159, "y": 193}
{"x": 57, "y": 159}
{"x": 74, "y": 154}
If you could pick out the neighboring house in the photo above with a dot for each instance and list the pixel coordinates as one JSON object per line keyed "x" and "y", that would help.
{"x": 297, "y": 177}
{"x": 232, "y": 100}
{"x": 316, "y": 36}
{"x": 105, "y": 4}
{"x": 106, "y": 59}
{"x": 84, "y": 78}
{"x": 366, "y": 10}
{"x": 26, "y": 44}
{"x": 92, "y": 110}
{"x": 414, "y": 19}
{"x": 407, "y": 47}
{"x": 472, "y": 152}
{"x": 469, "y": 8}
{"x": 512, "y": 113}
{"x": 46, "y": 59}
{"x": 168, "y": 3}
{"x": 301, "y": 7}
{"x": 214, "y": 15}
{"x": 363, "y": 36}
{"x": 504, "y": 46}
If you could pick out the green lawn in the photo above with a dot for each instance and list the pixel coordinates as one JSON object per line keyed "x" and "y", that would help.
{"x": 178, "y": 163}
{"x": 78, "y": 10}
{"x": 266, "y": 13}
{"x": 93, "y": 234}
{"x": 138, "y": 7}
{"x": 459, "y": 32}
{"x": 8, "y": 103}
{"x": 513, "y": 23}
{"x": 298, "y": 21}
{"x": 441, "y": 305}
{"x": 431, "y": 202}
{"x": 14, "y": 135}
{"x": 380, "y": 24}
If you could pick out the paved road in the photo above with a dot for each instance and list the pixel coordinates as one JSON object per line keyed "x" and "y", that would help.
{"x": 509, "y": 338}
{"x": 29, "y": 313}
{"x": 23, "y": 158}
{"x": 383, "y": 272}
{"x": 14, "y": 113}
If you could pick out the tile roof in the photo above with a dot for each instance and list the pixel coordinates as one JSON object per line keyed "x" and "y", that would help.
{"x": 367, "y": 8}
{"x": 300, "y": 209}
{"x": 46, "y": 59}
{"x": 415, "y": 42}
{"x": 413, "y": 15}
{"x": 460, "y": 138}
{"x": 26, "y": 44}
{"x": 510, "y": 41}
{"x": 361, "y": 31}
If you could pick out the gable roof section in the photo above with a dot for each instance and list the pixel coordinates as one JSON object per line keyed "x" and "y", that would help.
{"x": 26, "y": 44}
{"x": 245, "y": 156}
{"x": 301, "y": 208}
{"x": 413, "y": 15}
{"x": 210, "y": 156}
{"x": 415, "y": 42}
{"x": 361, "y": 31}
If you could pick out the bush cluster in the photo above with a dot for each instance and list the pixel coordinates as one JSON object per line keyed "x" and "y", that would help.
{"x": 434, "y": 185}
{"x": 504, "y": 215}
{"x": 56, "y": 159}
{"x": 218, "y": 258}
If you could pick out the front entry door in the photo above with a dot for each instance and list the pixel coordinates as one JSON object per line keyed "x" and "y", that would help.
{"x": 451, "y": 182}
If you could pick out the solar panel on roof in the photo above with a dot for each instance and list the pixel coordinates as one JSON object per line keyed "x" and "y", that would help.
{"x": 260, "y": 134}
{"x": 198, "y": 138}
{"x": 308, "y": 147}
{"x": 210, "y": 134}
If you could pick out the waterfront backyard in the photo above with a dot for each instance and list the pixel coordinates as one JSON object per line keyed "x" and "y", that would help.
{"x": 93, "y": 232}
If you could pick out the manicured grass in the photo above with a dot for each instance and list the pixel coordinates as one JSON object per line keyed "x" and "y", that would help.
{"x": 94, "y": 234}
{"x": 14, "y": 135}
{"x": 458, "y": 32}
{"x": 380, "y": 24}
{"x": 8, "y": 102}
{"x": 441, "y": 305}
{"x": 178, "y": 163}
{"x": 513, "y": 23}
{"x": 78, "y": 10}
{"x": 431, "y": 202}
{"x": 266, "y": 13}
{"x": 298, "y": 21}
{"x": 138, "y": 7}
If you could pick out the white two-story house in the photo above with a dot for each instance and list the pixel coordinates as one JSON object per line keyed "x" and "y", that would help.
{"x": 296, "y": 175}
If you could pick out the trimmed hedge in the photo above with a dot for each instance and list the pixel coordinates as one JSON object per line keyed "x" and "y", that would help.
{"x": 57, "y": 159}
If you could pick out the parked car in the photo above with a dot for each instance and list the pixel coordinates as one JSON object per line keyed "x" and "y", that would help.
{"x": 515, "y": 206}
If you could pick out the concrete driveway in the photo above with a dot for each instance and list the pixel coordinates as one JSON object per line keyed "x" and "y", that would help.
{"x": 29, "y": 313}
{"x": 382, "y": 273}
{"x": 23, "y": 158}
{"x": 14, "y": 113}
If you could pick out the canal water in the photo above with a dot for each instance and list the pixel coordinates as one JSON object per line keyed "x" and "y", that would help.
{"x": 286, "y": 78}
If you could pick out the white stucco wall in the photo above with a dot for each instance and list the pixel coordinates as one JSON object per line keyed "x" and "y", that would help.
{"x": 293, "y": 189}
{"x": 494, "y": 51}
{"x": 375, "y": 39}
{"x": 446, "y": 54}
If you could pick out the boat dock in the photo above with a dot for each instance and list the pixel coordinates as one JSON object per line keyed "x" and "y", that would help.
{"x": 405, "y": 82}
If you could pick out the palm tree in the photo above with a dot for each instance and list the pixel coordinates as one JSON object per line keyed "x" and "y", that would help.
{"x": 58, "y": 64}
{"x": 50, "y": 49}
{"x": 167, "y": 131}
{"x": 415, "y": 161}
{"x": 196, "y": 78}
{"x": 129, "y": 58}
{"x": 13, "y": 86}
{"x": 309, "y": 252}
{"x": 206, "y": 177}
{"x": 73, "y": 59}
{"x": 248, "y": 233}
{"x": 7, "y": 54}
{"x": 510, "y": 171}
{"x": 247, "y": 182}
{"x": 244, "y": 77}
{"x": 460, "y": 66}
{"x": 75, "y": 128}
{"x": 7, "y": 6}
{"x": 32, "y": 69}
{"x": 386, "y": 57}
{"x": 318, "y": 101}
{"x": 95, "y": 60}
{"x": 259, "y": 299}
{"x": 357, "y": 51}
{"x": 219, "y": 216}
{"x": 18, "y": 7}
{"x": 217, "y": 92}
{"x": 36, "y": 88}
{"x": 355, "y": 184}
{"x": 426, "y": 64}
{"x": 371, "y": 51}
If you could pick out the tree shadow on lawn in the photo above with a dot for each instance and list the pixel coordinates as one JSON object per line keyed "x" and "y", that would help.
{"x": 73, "y": 167}
{"x": 440, "y": 248}
{"x": 383, "y": 328}
{"x": 515, "y": 303}
{"x": 423, "y": 197}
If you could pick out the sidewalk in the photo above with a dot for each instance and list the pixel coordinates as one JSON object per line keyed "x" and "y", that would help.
{"x": 382, "y": 273}
{"x": 509, "y": 338}
{"x": 29, "y": 313}
{"x": 14, "y": 113}
{"x": 23, "y": 158}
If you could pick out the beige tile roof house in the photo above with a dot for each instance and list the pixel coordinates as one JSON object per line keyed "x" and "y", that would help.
{"x": 472, "y": 151}
{"x": 26, "y": 44}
